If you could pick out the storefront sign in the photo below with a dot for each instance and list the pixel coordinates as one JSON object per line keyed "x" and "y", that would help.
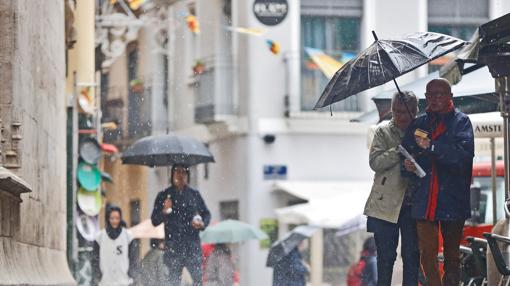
{"x": 270, "y": 12}
{"x": 488, "y": 129}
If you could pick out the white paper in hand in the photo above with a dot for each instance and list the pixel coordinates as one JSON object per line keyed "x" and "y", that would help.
{"x": 419, "y": 171}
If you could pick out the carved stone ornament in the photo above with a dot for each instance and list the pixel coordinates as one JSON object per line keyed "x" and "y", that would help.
{"x": 115, "y": 30}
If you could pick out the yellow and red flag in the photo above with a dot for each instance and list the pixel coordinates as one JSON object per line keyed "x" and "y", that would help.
{"x": 193, "y": 24}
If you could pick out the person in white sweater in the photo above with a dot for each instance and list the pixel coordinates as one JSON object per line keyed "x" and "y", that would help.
{"x": 113, "y": 261}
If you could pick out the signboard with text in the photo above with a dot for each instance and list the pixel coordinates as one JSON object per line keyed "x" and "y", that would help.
{"x": 270, "y": 12}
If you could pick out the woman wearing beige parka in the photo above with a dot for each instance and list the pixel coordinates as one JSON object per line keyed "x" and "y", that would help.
{"x": 388, "y": 207}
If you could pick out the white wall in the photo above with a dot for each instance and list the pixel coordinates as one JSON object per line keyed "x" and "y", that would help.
{"x": 499, "y": 8}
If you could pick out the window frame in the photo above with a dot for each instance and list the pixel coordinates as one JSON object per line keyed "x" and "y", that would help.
{"x": 355, "y": 104}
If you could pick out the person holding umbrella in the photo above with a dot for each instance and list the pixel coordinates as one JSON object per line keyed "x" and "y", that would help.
{"x": 285, "y": 259}
{"x": 184, "y": 213}
{"x": 388, "y": 207}
{"x": 291, "y": 270}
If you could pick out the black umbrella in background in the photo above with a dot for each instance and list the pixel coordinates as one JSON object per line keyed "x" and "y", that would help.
{"x": 384, "y": 61}
{"x": 283, "y": 247}
{"x": 167, "y": 150}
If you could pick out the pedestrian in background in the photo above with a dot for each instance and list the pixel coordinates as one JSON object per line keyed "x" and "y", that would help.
{"x": 388, "y": 207}
{"x": 220, "y": 268}
{"x": 185, "y": 214}
{"x": 364, "y": 271}
{"x": 113, "y": 253}
{"x": 291, "y": 270}
{"x": 153, "y": 271}
{"x": 442, "y": 142}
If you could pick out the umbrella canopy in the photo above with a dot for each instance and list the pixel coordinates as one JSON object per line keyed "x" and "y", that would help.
{"x": 456, "y": 68}
{"x": 167, "y": 150}
{"x": 231, "y": 231}
{"x": 330, "y": 204}
{"x": 385, "y": 60}
{"x": 283, "y": 247}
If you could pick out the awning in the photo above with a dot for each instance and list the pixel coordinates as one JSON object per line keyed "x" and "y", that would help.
{"x": 329, "y": 204}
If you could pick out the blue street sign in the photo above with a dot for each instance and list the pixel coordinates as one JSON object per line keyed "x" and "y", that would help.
{"x": 275, "y": 172}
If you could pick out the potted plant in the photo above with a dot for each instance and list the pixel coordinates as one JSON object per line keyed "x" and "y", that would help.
{"x": 136, "y": 85}
{"x": 198, "y": 67}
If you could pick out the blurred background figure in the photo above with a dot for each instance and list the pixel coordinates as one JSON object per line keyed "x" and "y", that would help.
{"x": 364, "y": 271}
{"x": 291, "y": 270}
{"x": 153, "y": 271}
{"x": 113, "y": 261}
{"x": 220, "y": 268}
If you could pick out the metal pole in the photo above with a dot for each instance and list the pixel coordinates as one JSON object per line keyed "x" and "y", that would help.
{"x": 502, "y": 89}
{"x": 493, "y": 175}
{"x": 72, "y": 139}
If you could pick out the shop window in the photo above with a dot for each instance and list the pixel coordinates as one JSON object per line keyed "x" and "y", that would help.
{"x": 229, "y": 210}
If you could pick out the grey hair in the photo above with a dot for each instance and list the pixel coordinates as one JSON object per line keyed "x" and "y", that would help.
{"x": 406, "y": 97}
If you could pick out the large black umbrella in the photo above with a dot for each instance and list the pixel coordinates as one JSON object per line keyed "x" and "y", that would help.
{"x": 385, "y": 60}
{"x": 283, "y": 247}
{"x": 167, "y": 150}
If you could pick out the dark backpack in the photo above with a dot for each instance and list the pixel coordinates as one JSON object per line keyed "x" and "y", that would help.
{"x": 355, "y": 273}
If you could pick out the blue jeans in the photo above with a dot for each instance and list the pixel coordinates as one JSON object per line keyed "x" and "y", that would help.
{"x": 386, "y": 240}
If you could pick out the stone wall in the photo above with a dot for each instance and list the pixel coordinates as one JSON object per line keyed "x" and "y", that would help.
{"x": 33, "y": 144}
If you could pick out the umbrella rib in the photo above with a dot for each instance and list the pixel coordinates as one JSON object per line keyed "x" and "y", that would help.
{"x": 380, "y": 61}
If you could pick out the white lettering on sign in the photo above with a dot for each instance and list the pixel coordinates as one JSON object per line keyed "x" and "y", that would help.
{"x": 270, "y": 9}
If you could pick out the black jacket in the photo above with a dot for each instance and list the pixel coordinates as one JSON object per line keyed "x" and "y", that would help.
{"x": 179, "y": 234}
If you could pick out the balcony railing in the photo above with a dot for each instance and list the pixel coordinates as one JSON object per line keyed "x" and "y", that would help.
{"x": 136, "y": 109}
{"x": 214, "y": 98}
